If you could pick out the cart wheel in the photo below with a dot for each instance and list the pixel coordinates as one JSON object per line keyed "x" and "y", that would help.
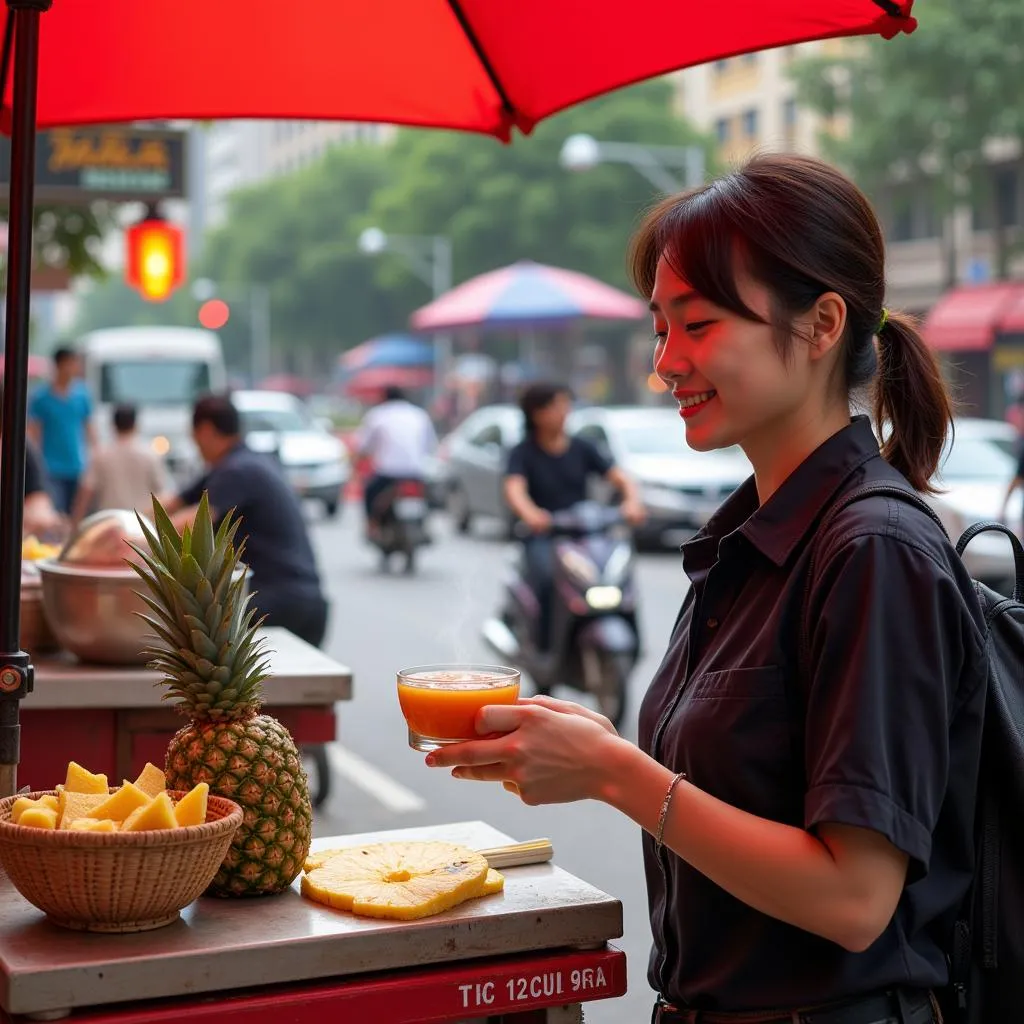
{"x": 317, "y": 754}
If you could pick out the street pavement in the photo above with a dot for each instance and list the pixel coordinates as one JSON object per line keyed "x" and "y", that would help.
{"x": 380, "y": 623}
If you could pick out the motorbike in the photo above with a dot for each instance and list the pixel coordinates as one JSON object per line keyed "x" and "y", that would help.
{"x": 400, "y": 522}
{"x": 595, "y": 642}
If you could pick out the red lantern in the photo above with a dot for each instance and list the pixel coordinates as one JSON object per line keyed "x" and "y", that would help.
{"x": 156, "y": 258}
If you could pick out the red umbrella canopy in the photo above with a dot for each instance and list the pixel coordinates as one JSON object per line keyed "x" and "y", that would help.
{"x": 477, "y": 65}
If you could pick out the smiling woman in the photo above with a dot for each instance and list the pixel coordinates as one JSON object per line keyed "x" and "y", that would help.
{"x": 807, "y": 805}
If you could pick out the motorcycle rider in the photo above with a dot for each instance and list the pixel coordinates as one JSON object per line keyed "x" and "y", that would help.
{"x": 396, "y": 436}
{"x": 548, "y": 471}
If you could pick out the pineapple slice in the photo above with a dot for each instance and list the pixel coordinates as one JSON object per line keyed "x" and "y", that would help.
{"x": 157, "y": 814}
{"x": 151, "y": 780}
{"x": 24, "y": 803}
{"x": 93, "y": 825}
{"x": 404, "y": 881}
{"x": 80, "y": 780}
{"x": 77, "y": 805}
{"x": 121, "y": 803}
{"x": 38, "y": 817}
{"x": 493, "y": 883}
{"x": 191, "y": 808}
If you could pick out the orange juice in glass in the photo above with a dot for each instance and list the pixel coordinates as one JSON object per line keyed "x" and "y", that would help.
{"x": 440, "y": 702}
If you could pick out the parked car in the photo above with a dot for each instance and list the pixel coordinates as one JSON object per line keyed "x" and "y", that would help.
{"x": 474, "y": 456}
{"x": 975, "y": 471}
{"x": 314, "y": 460}
{"x": 681, "y": 488}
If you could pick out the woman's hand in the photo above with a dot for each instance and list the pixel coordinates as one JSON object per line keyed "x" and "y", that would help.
{"x": 568, "y": 707}
{"x": 546, "y": 756}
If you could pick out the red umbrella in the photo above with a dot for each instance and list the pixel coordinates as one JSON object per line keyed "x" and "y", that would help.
{"x": 480, "y": 65}
{"x": 477, "y": 65}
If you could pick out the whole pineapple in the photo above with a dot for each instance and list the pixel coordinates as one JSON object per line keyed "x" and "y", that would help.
{"x": 213, "y": 666}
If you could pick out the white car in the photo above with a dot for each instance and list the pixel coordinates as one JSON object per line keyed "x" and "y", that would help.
{"x": 975, "y": 471}
{"x": 681, "y": 488}
{"x": 315, "y": 462}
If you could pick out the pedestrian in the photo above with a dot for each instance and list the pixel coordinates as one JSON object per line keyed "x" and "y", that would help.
{"x": 59, "y": 423}
{"x": 807, "y": 807}
{"x": 277, "y": 547}
{"x": 40, "y": 518}
{"x": 125, "y": 473}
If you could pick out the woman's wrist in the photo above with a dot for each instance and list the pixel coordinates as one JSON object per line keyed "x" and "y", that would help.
{"x": 621, "y": 764}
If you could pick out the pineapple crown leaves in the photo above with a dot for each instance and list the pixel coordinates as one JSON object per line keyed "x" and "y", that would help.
{"x": 204, "y": 630}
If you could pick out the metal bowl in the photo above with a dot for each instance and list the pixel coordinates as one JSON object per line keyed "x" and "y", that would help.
{"x": 92, "y": 612}
{"x": 91, "y": 596}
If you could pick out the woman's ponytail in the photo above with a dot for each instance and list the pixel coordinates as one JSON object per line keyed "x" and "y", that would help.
{"x": 912, "y": 400}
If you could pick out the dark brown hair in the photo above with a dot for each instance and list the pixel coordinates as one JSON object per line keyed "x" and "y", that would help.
{"x": 801, "y": 228}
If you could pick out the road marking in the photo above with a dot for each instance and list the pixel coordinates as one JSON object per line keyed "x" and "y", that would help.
{"x": 393, "y": 795}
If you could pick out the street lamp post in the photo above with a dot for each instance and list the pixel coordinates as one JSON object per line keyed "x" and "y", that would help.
{"x": 430, "y": 259}
{"x": 583, "y": 152}
{"x": 257, "y": 296}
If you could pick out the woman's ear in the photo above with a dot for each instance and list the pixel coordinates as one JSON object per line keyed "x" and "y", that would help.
{"x": 826, "y": 321}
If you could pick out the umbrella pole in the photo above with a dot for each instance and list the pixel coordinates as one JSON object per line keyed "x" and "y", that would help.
{"x": 15, "y": 664}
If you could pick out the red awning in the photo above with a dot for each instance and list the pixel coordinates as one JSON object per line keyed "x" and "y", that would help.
{"x": 968, "y": 319}
{"x": 1012, "y": 320}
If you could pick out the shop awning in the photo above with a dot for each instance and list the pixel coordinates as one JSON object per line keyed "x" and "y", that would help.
{"x": 968, "y": 319}
{"x": 1012, "y": 320}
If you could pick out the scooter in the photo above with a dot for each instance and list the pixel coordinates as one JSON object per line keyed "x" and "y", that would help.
{"x": 400, "y": 522}
{"x": 595, "y": 641}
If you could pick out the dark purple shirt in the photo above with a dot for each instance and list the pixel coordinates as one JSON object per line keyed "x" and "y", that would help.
{"x": 885, "y": 734}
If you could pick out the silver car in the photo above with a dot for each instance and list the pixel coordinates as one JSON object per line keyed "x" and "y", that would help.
{"x": 975, "y": 471}
{"x": 681, "y": 488}
{"x": 474, "y": 456}
{"x": 315, "y": 462}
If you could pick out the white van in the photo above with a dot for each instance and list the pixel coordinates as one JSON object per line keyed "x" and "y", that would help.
{"x": 161, "y": 371}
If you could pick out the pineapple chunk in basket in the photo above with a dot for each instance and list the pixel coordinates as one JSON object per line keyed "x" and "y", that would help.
{"x": 404, "y": 881}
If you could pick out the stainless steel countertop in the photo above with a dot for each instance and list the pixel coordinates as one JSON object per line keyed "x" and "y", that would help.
{"x": 300, "y": 674}
{"x": 220, "y": 945}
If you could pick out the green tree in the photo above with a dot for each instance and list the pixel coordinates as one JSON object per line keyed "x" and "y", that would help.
{"x": 298, "y": 236}
{"x": 503, "y": 203}
{"x": 923, "y": 109}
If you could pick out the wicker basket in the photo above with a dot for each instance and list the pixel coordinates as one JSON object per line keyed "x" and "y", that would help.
{"x": 116, "y": 881}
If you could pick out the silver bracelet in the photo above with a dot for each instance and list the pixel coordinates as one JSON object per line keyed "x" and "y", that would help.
{"x": 664, "y": 810}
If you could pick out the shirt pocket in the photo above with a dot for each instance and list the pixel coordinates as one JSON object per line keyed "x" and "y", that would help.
{"x": 737, "y": 738}
{"x": 762, "y": 681}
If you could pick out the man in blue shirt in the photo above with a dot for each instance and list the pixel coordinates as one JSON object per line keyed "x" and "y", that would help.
{"x": 59, "y": 422}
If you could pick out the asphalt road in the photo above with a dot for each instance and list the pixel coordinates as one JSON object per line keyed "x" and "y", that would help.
{"x": 381, "y": 623}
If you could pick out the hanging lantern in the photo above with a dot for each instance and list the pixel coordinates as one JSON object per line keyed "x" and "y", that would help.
{"x": 156, "y": 258}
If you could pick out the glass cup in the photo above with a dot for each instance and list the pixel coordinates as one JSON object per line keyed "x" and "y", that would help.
{"x": 440, "y": 702}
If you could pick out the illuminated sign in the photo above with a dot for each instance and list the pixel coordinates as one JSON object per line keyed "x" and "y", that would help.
{"x": 76, "y": 165}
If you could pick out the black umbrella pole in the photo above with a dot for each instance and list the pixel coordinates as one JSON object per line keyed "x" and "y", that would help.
{"x": 15, "y": 665}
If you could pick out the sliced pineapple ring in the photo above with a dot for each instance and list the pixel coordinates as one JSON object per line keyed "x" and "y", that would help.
{"x": 404, "y": 881}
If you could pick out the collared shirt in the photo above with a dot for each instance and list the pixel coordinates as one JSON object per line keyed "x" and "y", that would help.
{"x": 398, "y": 436}
{"x": 885, "y": 733}
{"x": 277, "y": 546}
{"x": 62, "y": 419}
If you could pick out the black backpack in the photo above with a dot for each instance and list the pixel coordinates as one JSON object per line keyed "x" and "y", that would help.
{"x": 986, "y": 958}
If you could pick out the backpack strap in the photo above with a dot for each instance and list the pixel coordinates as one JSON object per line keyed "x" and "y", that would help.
{"x": 867, "y": 491}
{"x": 1018, "y": 551}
